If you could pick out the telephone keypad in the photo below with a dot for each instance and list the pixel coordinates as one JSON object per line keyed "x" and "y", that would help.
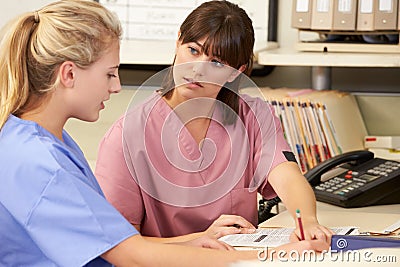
{"x": 351, "y": 180}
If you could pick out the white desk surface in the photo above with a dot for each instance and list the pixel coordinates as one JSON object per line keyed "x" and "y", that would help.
{"x": 394, "y": 209}
{"x": 372, "y": 218}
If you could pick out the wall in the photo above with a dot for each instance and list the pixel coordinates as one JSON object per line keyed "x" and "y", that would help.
{"x": 348, "y": 79}
{"x": 10, "y": 9}
{"x": 369, "y": 83}
{"x": 379, "y": 111}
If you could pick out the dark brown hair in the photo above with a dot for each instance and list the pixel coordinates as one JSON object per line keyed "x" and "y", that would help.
{"x": 229, "y": 36}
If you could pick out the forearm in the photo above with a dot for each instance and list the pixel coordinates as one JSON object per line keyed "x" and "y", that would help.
{"x": 137, "y": 251}
{"x": 175, "y": 239}
{"x": 294, "y": 190}
{"x": 296, "y": 193}
{"x": 166, "y": 240}
{"x": 299, "y": 195}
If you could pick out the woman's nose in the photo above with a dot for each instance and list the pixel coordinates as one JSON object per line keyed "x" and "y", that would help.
{"x": 200, "y": 67}
{"x": 116, "y": 87}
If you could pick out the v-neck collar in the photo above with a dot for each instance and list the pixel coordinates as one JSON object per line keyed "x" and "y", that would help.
{"x": 186, "y": 140}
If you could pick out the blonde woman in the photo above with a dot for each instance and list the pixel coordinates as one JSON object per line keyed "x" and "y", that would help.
{"x": 57, "y": 63}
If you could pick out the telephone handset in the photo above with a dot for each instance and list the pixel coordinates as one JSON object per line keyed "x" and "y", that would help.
{"x": 359, "y": 180}
{"x": 354, "y": 157}
{"x": 352, "y": 179}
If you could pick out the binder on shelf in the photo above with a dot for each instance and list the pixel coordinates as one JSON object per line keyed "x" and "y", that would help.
{"x": 386, "y": 15}
{"x": 301, "y": 14}
{"x": 365, "y": 15}
{"x": 344, "y": 15}
{"x": 322, "y": 15}
{"x": 377, "y": 15}
{"x": 398, "y": 17}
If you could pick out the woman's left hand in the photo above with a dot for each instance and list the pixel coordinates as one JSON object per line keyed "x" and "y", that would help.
{"x": 228, "y": 225}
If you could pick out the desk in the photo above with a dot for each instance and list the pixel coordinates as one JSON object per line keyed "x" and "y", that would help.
{"x": 374, "y": 218}
{"x": 373, "y": 257}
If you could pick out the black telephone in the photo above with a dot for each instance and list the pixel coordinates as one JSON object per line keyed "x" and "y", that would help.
{"x": 359, "y": 180}
{"x": 362, "y": 180}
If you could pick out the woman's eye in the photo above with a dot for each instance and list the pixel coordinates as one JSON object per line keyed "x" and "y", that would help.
{"x": 112, "y": 75}
{"x": 193, "y": 51}
{"x": 218, "y": 63}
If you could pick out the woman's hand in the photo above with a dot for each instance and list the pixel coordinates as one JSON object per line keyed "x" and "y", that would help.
{"x": 229, "y": 224}
{"x": 207, "y": 242}
{"x": 312, "y": 230}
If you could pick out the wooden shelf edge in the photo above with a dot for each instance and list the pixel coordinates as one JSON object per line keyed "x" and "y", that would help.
{"x": 292, "y": 57}
{"x": 347, "y": 47}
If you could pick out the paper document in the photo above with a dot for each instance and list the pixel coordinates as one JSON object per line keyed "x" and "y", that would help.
{"x": 273, "y": 237}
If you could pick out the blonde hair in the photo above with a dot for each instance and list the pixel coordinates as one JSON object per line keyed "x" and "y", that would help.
{"x": 35, "y": 44}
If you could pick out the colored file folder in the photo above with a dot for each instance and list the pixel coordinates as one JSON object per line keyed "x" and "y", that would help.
{"x": 315, "y": 123}
{"x": 354, "y": 242}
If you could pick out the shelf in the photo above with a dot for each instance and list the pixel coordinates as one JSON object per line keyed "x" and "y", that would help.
{"x": 292, "y": 57}
{"x": 162, "y": 52}
{"x": 347, "y": 47}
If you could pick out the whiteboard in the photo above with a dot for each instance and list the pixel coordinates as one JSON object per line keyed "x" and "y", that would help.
{"x": 151, "y": 26}
{"x": 13, "y": 8}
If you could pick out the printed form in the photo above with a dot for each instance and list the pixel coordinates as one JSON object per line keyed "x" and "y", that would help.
{"x": 273, "y": 237}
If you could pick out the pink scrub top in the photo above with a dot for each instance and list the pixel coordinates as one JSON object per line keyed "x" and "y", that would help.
{"x": 153, "y": 171}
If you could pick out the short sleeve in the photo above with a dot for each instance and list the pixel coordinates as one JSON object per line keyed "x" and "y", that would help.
{"x": 73, "y": 224}
{"x": 270, "y": 143}
{"x": 115, "y": 179}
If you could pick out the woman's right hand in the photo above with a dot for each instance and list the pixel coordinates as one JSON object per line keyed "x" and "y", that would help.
{"x": 229, "y": 224}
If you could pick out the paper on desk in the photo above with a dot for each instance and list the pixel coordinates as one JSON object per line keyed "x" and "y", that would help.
{"x": 273, "y": 237}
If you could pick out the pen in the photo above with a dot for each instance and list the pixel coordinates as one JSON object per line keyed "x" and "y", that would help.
{"x": 300, "y": 224}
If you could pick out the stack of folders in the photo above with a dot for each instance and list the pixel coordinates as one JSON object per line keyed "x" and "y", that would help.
{"x": 345, "y": 15}
{"x": 318, "y": 124}
{"x": 347, "y": 25}
{"x": 309, "y": 131}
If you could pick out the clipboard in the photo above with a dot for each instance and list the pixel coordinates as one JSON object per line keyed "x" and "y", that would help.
{"x": 355, "y": 242}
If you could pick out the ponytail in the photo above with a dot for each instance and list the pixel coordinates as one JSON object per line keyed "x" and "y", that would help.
{"x": 14, "y": 82}
{"x": 37, "y": 43}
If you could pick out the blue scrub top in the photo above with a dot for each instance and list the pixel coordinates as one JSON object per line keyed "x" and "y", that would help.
{"x": 52, "y": 210}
